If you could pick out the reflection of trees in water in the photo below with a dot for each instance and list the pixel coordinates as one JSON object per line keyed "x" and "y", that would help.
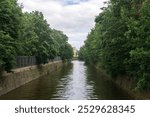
{"x": 68, "y": 82}
{"x": 51, "y": 81}
{"x": 65, "y": 69}
{"x": 41, "y": 88}
{"x": 103, "y": 87}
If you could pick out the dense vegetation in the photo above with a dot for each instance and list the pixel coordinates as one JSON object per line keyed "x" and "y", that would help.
{"x": 120, "y": 41}
{"x": 28, "y": 34}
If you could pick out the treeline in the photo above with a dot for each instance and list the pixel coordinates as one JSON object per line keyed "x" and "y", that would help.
{"x": 28, "y": 34}
{"x": 120, "y": 41}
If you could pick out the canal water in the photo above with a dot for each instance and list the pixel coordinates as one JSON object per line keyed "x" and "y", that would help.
{"x": 74, "y": 81}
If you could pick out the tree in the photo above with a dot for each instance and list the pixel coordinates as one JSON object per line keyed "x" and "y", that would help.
{"x": 66, "y": 52}
{"x": 10, "y": 20}
{"x": 120, "y": 41}
{"x": 7, "y": 53}
{"x": 138, "y": 63}
{"x": 10, "y": 17}
{"x": 28, "y": 34}
{"x": 28, "y": 38}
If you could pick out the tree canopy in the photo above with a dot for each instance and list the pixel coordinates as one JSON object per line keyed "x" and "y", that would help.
{"x": 28, "y": 34}
{"x": 120, "y": 41}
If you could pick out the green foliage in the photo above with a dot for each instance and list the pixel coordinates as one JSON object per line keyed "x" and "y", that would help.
{"x": 38, "y": 39}
{"x": 82, "y": 55}
{"x": 28, "y": 34}
{"x": 63, "y": 48}
{"x": 10, "y": 20}
{"x": 120, "y": 41}
{"x": 7, "y": 52}
{"x": 10, "y": 17}
{"x": 66, "y": 52}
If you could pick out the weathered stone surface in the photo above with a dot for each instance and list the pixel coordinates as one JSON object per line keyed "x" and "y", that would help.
{"x": 24, "y": 75}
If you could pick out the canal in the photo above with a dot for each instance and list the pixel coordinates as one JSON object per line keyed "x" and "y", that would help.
{"x": 74, "y": 81}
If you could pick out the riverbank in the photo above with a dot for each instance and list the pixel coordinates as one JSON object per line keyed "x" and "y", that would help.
{"x": 21, "y": 76}
{"x": 74, "y": 81}
{"x": 127, "y": 85}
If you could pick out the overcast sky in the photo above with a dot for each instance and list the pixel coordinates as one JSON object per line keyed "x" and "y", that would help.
{"x": 74, "y": 17}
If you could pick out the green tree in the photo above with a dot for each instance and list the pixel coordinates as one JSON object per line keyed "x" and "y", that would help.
{"x": 10, "y": 17}
{"x": 138, "y": 63}
{"x": 46, "y": 43}
{"x": 66, "y": 52}
{"x": 28, "y": 34}
{"x": 120, "y": 41}
{"x": 64, "y": 49}
{"x": 7, "y": 52}
{"x": 10, "y": 20}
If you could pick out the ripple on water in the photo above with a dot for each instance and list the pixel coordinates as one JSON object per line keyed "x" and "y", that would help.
{"x": 75, "y": 81}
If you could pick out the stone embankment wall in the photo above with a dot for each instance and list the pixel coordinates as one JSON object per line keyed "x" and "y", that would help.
{"x": 21, "y": 76}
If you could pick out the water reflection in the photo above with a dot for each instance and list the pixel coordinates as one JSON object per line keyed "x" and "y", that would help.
{"x": 74, "y": 81}
{"x": 76, "y": 86}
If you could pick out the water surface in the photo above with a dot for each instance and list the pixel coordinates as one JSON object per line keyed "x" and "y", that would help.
{"x": 74, "y": 81}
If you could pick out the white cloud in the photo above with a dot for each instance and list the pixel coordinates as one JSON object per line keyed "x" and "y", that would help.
{"x": 74, "y": 17}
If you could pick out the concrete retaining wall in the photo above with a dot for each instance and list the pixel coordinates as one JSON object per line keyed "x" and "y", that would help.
{"x": 24, "y": 75}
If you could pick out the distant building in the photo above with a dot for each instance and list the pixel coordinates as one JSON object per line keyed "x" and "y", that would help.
{"x": 75, "y": 52}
